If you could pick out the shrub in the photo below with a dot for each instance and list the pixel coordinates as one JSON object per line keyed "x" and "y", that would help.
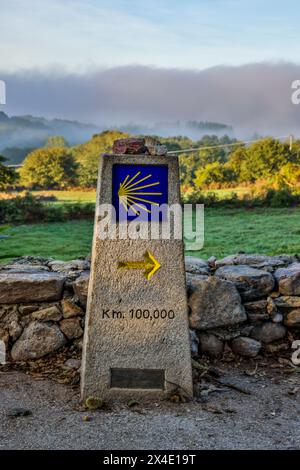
{"x": 7, "y": 175}
{"x": 267, "y": 198}
{"x": 87, "y": 156}
{"x": 21, "y": 209}
{"x": 281, "y": 198}
{"x": 289, "y": 174}
{"x": 49, "y": 168}
{"x": 79, "y": 211}
{"x": 197, "y": 197}
{"x": 29, "y": 209}
{"x": 214, "y": 175}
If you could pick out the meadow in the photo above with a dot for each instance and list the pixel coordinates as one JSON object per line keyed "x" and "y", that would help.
{"x": 74, "y": 196}
{"x": 259, "y": 214}
{"x": 227, "y": 231}
{"x": 59, "y": 196}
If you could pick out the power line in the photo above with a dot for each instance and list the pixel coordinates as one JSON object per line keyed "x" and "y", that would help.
{"x": 208, "y": 147}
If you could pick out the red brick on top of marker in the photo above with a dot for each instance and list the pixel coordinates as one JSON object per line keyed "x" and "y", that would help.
{"x": 130, "y": 146}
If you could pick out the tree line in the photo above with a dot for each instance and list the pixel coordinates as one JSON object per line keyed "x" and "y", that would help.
{"x": 58, "y": 166}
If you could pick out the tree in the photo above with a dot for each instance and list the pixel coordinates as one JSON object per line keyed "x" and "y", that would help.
{"x": 289, "y": 175}
{"x": 262, "y": 160}
{"x": 188, "y": 164}
{"x": 56, "y": 141}
{"x": 87, "y": 155}
{"x": 215, "y": 154}
{"x": 191, "y": 162}
{"x": 238, "y": 161}
{"x": 214, "y": 175}
{"x": 7, "y": 175}
{"x": 49, "y": 168}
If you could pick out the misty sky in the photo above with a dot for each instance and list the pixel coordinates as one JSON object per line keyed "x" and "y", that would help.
{"x": 144, "y": 60}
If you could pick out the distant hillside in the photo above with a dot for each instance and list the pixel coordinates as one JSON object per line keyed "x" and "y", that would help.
{"x": 19, "y": 134}
{"x": 193, "y": 129}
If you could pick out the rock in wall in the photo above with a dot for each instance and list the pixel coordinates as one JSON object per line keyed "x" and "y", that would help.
{"x": 249, "y": 304}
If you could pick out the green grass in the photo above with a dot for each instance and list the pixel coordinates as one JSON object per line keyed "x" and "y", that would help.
{"x": 223, "y": 194}
{"x": 265, "y": 231}
{"x": 69, "y": 196}
{"x": 62, "y": 196}
{"x": 64, "y": 240}
{"x": 73, "y": 196}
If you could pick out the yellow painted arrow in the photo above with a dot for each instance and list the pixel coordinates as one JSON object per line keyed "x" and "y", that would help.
{"x": 150, "y": 265}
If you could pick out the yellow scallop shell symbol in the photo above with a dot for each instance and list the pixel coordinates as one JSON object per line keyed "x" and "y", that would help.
{"x": 131, "y": 189}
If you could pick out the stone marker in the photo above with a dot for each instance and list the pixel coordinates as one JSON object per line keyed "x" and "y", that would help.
{"x": 136, "y": 341}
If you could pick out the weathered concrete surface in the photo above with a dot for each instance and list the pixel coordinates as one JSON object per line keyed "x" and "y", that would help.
{"x": 114, "y": 337}
{"x": 34, "y": 287}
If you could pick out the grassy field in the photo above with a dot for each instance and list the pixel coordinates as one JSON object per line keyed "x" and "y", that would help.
{"x": 69, "y": 196}
{"x": 226, "y": 193}
{"x": 61, "y": 196}
{"x": 266, "y": 231}
{"x": 90, "y": 196}
{"x": 84, "y": 196}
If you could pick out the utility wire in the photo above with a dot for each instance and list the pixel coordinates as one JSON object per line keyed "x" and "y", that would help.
{"x": 208, "y": 147}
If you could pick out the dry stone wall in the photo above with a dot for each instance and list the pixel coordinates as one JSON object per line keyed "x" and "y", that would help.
{"x": 248, "y": 304}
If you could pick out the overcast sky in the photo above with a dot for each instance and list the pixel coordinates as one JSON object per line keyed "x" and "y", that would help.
{"x": 122, "y": 60}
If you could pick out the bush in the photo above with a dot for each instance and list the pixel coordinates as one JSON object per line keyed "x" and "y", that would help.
{"x": 29, "y": 209}
{"x": 289, "y": 174}
{"x": 261, "y": 160}
{"x": 79, "y": 211}
{"x": 49, "y": 168}
{"x": 215, "y": 175}
{"x": 87, "y": 156}
{"x": 197, "y": 197}
{"x": 267, "y": 198}
{"x": 7, "y": 175}
{"x": 281, "y": 198}
{"x": 21, "y": 209}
